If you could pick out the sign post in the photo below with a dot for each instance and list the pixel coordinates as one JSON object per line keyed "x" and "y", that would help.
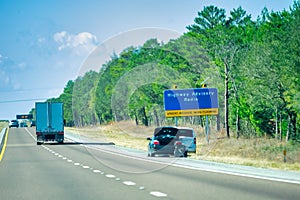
{"x": 207, "y": 129}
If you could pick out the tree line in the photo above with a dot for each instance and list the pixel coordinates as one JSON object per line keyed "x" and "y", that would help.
{"x": 255, "y": 64}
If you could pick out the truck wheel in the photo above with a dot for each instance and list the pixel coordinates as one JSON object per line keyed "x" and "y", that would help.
{"x": 39, "y": 143}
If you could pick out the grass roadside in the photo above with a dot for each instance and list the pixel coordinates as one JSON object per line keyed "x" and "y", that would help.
{"x": 3, "y": 125}
{"x": 258, "y": 152}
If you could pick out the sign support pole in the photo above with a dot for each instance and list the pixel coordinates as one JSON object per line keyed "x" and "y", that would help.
{"x": 176, "y": 121}
{"x": 207, "y": 129}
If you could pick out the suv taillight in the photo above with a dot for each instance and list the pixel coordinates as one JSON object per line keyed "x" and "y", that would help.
{"x": 156, "y": 142}
{"x": 178, "y": 143}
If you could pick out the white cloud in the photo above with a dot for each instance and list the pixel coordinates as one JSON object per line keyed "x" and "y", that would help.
{"x": 61, "y": 37}
{"x": 2, "y": 58}
{"x": 80, "y": 44}
{"x": 10, "y": 73}
{"x": 22, "y": 66}
{"x": 41, "y": 40}
{"x": 4, "y": 79}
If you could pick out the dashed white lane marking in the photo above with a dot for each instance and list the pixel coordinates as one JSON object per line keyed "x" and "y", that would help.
{"x": 110, "y": 176}
{"x": 158, "y": 194}
{"x": 129, "y": 183}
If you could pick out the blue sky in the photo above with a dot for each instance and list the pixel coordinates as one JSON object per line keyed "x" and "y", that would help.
{"x": 44, "y": 43}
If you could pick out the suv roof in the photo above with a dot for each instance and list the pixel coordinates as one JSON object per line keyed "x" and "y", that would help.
{"x": 174, "y": 130}
{"x": 176, "y": 127}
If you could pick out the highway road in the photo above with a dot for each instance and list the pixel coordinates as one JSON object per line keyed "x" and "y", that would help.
{"x": 99, "y": 170}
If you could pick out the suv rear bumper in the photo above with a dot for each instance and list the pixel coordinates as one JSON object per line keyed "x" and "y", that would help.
{"x": 166, "y": 149}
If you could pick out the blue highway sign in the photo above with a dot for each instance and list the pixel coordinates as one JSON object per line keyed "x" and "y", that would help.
{"x": 191, "y": 102}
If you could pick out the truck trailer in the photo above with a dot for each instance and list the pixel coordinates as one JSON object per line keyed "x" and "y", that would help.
{"x": 49, "y": 122}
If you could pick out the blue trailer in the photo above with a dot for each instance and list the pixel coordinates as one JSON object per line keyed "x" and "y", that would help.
{"x": 49, "y": 122}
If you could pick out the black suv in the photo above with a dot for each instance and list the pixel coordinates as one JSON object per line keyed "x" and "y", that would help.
{"x": 177, "y": 141}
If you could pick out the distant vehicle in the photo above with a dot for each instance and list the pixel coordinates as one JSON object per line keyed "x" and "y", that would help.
{"x": 13, "y": 123}
{"x": 177, "y": 141}
{"x": 23, "y": 124}
{"x": 49, "y": 122}
{"x": 32, "y": 123}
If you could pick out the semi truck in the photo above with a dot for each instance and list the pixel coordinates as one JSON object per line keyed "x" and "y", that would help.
{"x": 49, "y": 122}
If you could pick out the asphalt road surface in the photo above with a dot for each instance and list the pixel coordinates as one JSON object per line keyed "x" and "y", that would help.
{"x": 99, "y": 170}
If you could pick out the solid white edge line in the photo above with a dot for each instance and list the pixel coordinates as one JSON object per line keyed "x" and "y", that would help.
{"x": 199, "y": 169}
{"x": 189, "y": 167}
{"x": 30, "y": 134}
{"x": 238, "y": 174}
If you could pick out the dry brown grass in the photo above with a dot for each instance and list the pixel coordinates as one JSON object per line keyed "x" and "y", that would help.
{"x": 258, "y": 152}
{"x": 3, "y": 125}
{"x": 122, "y": 134}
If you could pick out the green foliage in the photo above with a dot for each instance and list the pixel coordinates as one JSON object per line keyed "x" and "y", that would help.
{"x": 209, "y": 18}
{"x": 263, "y": 67}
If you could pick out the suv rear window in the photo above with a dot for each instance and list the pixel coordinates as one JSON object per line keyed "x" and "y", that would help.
{"x": 165, "y": 131}
{"x": 185, "y": 132}
{"x": 173, "y": 132}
